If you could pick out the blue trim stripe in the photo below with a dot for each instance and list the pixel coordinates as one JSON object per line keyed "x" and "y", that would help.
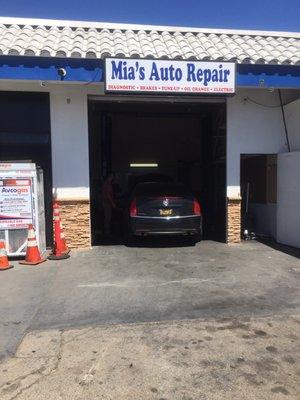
{"x": 45, "y": 69}
{"x": 277, "y": 76}
{"x": 92, "y": 70}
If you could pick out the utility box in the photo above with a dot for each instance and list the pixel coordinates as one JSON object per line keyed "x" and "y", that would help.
{"x": 288, "y": 198}
{"x": 21, "y": 204}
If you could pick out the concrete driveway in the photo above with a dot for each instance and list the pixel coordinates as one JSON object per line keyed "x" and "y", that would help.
{"x": 117, "y": 284}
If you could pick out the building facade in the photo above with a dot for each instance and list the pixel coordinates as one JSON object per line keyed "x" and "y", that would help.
{"x": 64, "y": 60}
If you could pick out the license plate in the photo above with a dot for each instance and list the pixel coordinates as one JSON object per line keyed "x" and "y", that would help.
{"x": 166, "y": 212}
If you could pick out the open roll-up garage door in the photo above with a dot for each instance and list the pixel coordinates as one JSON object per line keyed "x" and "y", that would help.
{"x": 183, "y": 141}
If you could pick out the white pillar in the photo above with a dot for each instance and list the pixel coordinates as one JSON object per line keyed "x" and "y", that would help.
{"x": 69, "y": 139}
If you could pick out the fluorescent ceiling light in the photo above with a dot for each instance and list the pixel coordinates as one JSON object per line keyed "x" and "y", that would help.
{"x": 143, "y": 165}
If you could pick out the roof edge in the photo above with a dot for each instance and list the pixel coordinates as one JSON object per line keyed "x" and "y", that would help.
{"x": 123, "y": 26}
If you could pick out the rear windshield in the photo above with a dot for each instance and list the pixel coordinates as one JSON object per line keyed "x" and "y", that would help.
{"x": 161, "y": 189}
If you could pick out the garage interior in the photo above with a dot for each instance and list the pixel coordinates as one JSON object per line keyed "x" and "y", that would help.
{"x": 259, "y": 195}
{"x": 185, "y": 141}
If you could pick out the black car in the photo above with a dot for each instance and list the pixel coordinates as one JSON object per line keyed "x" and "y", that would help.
{"x": 163, "y": 208}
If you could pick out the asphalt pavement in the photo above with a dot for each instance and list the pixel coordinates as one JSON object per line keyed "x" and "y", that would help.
{"x": 148, "y": 282}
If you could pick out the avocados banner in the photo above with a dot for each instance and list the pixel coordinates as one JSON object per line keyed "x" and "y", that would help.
{"x": 15, "y": 203}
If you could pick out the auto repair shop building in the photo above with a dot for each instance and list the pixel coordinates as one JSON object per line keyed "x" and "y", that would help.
{"x": 218, "y": 110}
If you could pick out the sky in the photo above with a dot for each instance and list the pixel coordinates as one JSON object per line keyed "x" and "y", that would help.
{"x": 277, "y": 15}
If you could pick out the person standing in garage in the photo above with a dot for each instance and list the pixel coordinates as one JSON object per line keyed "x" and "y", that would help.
{"x": 108, "y": 203}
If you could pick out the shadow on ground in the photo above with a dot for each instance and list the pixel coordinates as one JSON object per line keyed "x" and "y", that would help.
{"x": 291, "y": 251}
{"x": 149, "y": 241}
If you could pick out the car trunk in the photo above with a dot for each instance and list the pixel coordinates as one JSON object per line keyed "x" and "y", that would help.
{"x": 165, "y": 206}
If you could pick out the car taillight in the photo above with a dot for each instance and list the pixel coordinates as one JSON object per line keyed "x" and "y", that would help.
{"x": 196, "y": 207}
{"x": 133, "y": 208}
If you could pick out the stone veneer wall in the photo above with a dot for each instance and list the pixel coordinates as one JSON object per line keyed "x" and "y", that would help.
{"x": 234, "y": 220}
{"x": 75, "y": 216}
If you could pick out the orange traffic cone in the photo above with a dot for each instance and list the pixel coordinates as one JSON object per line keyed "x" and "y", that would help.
{"x": 60, "y": 249}
{"x": 33, "y": 256}
{"x": 63, "y": 244}
{"x": 4, "y": 264}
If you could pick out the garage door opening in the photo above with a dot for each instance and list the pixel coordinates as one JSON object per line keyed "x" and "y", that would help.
{"x": 179, "y": 141}
{"x": 25, "y": 136}
{"x": 259, "y": 195}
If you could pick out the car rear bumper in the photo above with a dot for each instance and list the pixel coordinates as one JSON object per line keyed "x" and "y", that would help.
{"x": 185, "y": 225}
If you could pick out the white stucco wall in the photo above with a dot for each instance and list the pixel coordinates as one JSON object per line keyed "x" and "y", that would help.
{"x": 252, "y": 128}
{"x": 292, "y": 115}
{"x": 69, "y": 139}
{"x": 288, "y": 196}
{"x": 69, "y": 134}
